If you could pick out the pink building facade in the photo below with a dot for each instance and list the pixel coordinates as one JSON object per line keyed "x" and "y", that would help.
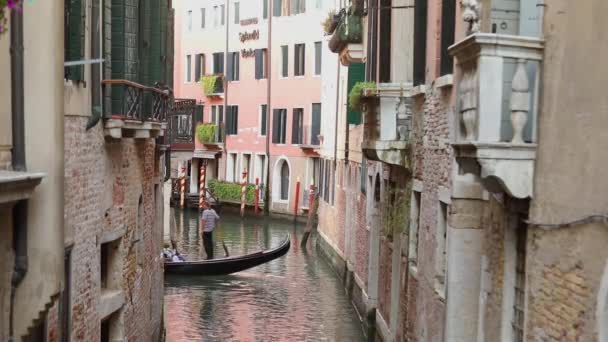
{"x": 266, "y": 102}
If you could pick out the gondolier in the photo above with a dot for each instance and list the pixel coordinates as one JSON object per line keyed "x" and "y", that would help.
{"x": 209, "y": 220}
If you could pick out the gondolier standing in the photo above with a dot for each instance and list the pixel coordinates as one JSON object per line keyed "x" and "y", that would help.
{"x": 209, "y": 220}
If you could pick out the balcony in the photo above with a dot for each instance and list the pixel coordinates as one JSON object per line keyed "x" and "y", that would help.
{"x": 308, "y": 139}
{"x": 347, "y": 35}
{"x": 387, "y": 123}
{"x": 213, "y": 85}
{"x": 137, "y": 111}
{"x": 497, "y": 87}
{"x": 181, "y": 129}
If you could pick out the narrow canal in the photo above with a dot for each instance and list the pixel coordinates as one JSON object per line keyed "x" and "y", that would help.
{"x": 295, "y": 298}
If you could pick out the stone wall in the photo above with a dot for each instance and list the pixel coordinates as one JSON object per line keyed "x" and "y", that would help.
{"x": 433, "y": 157}
{"x": 384, "y": 278}
{"x": 105, "y": 181}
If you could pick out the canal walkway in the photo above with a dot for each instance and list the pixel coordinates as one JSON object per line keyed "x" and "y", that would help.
{"x": 295, "y": 298}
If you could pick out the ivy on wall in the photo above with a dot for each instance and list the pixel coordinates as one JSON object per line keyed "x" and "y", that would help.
{"x": 232, "y": 191}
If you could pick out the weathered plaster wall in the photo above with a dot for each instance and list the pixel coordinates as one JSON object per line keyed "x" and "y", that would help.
{"x": 6, "y": 268}
{"x": 6, "y": 138}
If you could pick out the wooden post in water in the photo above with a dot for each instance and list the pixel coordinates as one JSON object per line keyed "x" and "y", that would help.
{"x": 297, "y": 203}
{"x": 257, "y": 196}
{"x": 243, "y": 192}
{"x": 182, "y": 189}
{"x": 313, "y": 205}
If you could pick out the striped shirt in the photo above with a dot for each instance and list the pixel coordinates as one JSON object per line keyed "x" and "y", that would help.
{"x": 210, "y": 217}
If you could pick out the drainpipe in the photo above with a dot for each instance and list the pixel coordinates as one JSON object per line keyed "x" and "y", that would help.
{"x": 227, "y": 22}
{"x": 18, "y": 158}
{"x": 268, "y": 110}
{"x": 337, "y": 116}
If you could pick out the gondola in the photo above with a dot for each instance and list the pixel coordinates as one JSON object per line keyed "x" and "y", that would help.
{"x": 228, "y": 265}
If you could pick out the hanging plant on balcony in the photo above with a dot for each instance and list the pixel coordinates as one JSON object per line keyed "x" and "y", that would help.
{"x": 209, "y": 84}
{"x": 205, "y": 133}
{"x": 349, "y": 31}
{"x": 5, "y": 7}
{"x": 354, "y": 98}
{"x": 395, "y": 210}
{"x": 331, "y": 22}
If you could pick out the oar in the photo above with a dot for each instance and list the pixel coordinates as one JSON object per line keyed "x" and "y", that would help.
{"x": 225, "y": 249}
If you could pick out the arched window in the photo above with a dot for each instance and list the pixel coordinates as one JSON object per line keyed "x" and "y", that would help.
{"x": 284, "y": 181}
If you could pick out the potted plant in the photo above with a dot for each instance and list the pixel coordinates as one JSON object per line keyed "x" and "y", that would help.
{"x": 209, "y": 84}
{"x": 331, "y": 22}
{"x": 356, "y": 93}
{"x": 5, "y": 7}
{"x": 205, "y": 133}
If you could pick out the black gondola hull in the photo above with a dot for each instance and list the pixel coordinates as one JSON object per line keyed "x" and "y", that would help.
{"x": 228, "y": 265}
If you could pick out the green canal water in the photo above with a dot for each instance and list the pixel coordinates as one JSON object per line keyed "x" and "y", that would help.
{"x": 295, "y": 298}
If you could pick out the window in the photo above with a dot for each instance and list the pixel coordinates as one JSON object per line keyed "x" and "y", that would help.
{"x": 203, "y": 18}
{"x": 263, "y": 119}
{"x": 260, "y": 64}
{"x": 298, "y": 6}
{"x": 265, "y": 9}
{"x": 318, "y": 54}
{"x": 414, "y": 226}
{"x": 420, "y": 18}
{"x": 233, "y": 66}
{"x": 296, "y": 126}
{"x": 223, "y": 13}
{"x": 384, "y": 43}
{"x": 299, "y": 60}
{"x": 277, "y": 8}
{"x": 327, "y": 181}
{"x": 189, "y": 20}
{"x": 315, "y": 130}
{"x": 215, "y": 16}
{"x": 356, "y": 73}
{"x": 198, "y": 113}
{"x": 96, "y": 69}
{"x": 520, "y": 283}
{"x": 279, "y": 126}
{"x": 246, "y": 165}
{"x": 218, "y": 63}
{"x": 217, "y": 117}
{"x": 318, "y": 4}
{"x": 372, "y": 40}
{"x": 237, "y": 15}
{"x": 440, "y": 250}
{"x": 232, "y": 120}
{"x": 188, "y": 68}
{"x": 285, "y": 59}
{"x": 260, "y": 168}
{"x": 448, "y": 21}
{"x": 363, "y": 173}
{"x": 284, "y": 181}
{"x": 231, "y": 175}
{"x": 199, "y": 66}
{"x": 74, "y": 38}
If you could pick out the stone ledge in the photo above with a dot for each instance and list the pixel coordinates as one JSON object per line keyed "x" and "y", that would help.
{"x": 16, "y": 186}
{"x": 125, "y": 128}
{"x": 444, "y": 81}
{"x": 111, "y": 235}
{"x": 352, "y": 53}
{"x": 419, "y": 90}
{"x": 110, "y": 301}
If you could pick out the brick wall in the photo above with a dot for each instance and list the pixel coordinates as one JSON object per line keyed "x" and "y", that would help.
{"x": 6, "y": 269}
{"x": 432, "y": 165}
{"x": 104, "y": 182}
{"x": 384, "y": 278}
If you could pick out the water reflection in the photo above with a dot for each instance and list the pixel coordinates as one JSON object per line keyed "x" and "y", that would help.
{"x": 294, "y": 298}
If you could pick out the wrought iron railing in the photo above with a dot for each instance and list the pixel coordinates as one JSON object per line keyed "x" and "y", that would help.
{"x": 131, "y": 100}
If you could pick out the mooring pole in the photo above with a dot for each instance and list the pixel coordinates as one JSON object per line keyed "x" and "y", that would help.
{"x": 297, "y": 203}
{"x": 257, "y": 196}
{"x": 182, "y": 189}
{"x": 243, "y": 192}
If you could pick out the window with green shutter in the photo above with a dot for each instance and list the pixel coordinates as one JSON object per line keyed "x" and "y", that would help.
{"x": 74, "y": 17}
{"x": 356, "y": 73}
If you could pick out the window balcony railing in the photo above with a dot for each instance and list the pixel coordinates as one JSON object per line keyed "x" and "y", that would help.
{"x": 308, "y": 139}
{"x": 497, "y": 85}
{"x": 347, "y": 37}
{"x": 387, "y": 123}
{"x": 137, "y": 111}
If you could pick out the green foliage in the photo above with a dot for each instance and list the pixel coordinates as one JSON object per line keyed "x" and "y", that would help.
{"x": 351, "y": 29}
{"x": 330, "y": 23}
{"x": 354, "y": 98}
{"x": 208, "y": 83}
{"x": 395, "y": 212}
{"x": 232, "y": 191}
{"x": 5, "y": 7}
{"x": 205, "y": 133}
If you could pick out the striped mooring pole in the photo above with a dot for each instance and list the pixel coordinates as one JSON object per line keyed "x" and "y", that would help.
{"x": 243, "y": 192}
{"x": 201, "y": 187}
{"x": 182, "y": 189}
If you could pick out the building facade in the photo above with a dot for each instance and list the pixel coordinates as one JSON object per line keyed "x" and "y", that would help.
{"x": 259, "y": 86}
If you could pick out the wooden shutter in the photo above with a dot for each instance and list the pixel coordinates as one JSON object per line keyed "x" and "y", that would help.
{"x": 420, "y": 18}
{"x": 448, "y": 21}
{"x": 285, "y": 56}
{"x": 372, "y": 38}
{"x": 221, "y": 54}
{"x": 235, "y": 119}
{"x": 74, "y": 35}
{"x": 276, "y": 8}
{"x": 276, "y": 121}
{"x": 296, "y": 126}
{"x": 230, "y": 67}
{"x": 385, "y": 41}
{"x": 237, "y": 61}
{"x": 259, "y": 68}
{"x": 197, "y": 68}
{"x": 236, "y": 13}
{"x": 318, "y": 58}
{"x": 265, "y": 9}
{"x": 228, "y": 120}
{"x": 203, "y": 18}
{"x": 283, "y": 126}
{"x": 356, "y": 73}
{"x": 263, "y": 119}
{"x": 316, "y": 124}
{"x": 198, "y": 114}
{"x": 296, "y": 60}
